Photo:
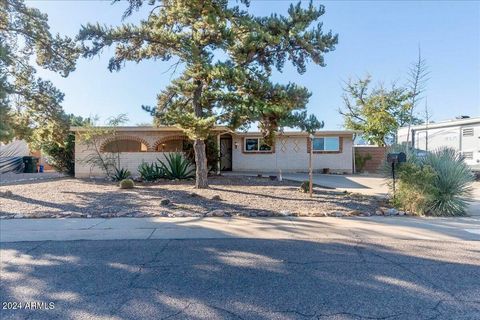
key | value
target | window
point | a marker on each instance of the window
(123, 145)
(177, 145)
(326, 144)
(256, 145)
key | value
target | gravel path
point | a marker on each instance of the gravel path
(248, 196)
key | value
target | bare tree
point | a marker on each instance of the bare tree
(417, 84)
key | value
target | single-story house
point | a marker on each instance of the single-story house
(239, 151)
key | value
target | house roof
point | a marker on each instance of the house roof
(224, 129)
(446, 123)
(143, 128)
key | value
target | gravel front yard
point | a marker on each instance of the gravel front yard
(227, 196)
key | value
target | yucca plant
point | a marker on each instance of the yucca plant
(451, 184)
(150, 172)
(121, 174)
(177, 166)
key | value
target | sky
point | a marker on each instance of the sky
(379, 38)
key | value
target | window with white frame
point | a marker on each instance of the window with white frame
(256, 145)
(326, 144)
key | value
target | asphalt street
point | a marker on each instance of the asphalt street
(241, 279)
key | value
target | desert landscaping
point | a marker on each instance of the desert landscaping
(227, 196)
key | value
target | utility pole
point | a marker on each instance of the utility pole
(427, 120)
(310, 172)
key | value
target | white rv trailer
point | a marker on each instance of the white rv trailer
(462, 135)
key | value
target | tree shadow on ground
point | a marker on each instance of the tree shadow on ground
(240, 279)
(146, 198)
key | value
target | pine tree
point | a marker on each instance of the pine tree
(226, 55)
(30, 107)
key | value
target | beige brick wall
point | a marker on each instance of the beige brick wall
(291, 155)
(128, 160)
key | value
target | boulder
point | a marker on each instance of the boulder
(216, 213)
(391, 212)
(285, 213)
(216, 197)
(165, 202)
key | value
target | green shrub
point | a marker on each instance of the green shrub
(452, 182)
(150, 172)
(177, 167)
(127, 184)
(121, 174)
(435, 184)
(415, 188)
(305, 187)
(360, 161)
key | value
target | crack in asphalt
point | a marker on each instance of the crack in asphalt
(136, 276)
(178, 312)
(225, 310)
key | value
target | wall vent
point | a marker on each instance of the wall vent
(467, 132)
(467, 155)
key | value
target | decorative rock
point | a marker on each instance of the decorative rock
(121, 214)
(105, 215)
(182, 214)
(41, 215)
(379, 212)
(401, 213)
(285, 213)
(264, 214)
(76, 214)
(18, 216)
(337, 214)
(216, 197)
(165, 202)
(355, 213)
(8, 193)
(89, 215)
(391, 212)
(141, 214)
(216, 213)
(252, 214)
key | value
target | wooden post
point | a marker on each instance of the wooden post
(219, 155)
(310, 172)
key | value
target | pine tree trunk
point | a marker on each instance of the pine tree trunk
(201, 181)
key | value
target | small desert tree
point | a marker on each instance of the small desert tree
(226, 56)
(93, 136)
(377, 112)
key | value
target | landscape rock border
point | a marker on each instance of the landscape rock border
(214, 213)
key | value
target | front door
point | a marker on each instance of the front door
(226, 153)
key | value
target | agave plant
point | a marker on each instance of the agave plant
(121, 174)
(177, 166)
(451, 184)
(150, 172)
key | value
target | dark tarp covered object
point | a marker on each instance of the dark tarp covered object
(11, 156)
